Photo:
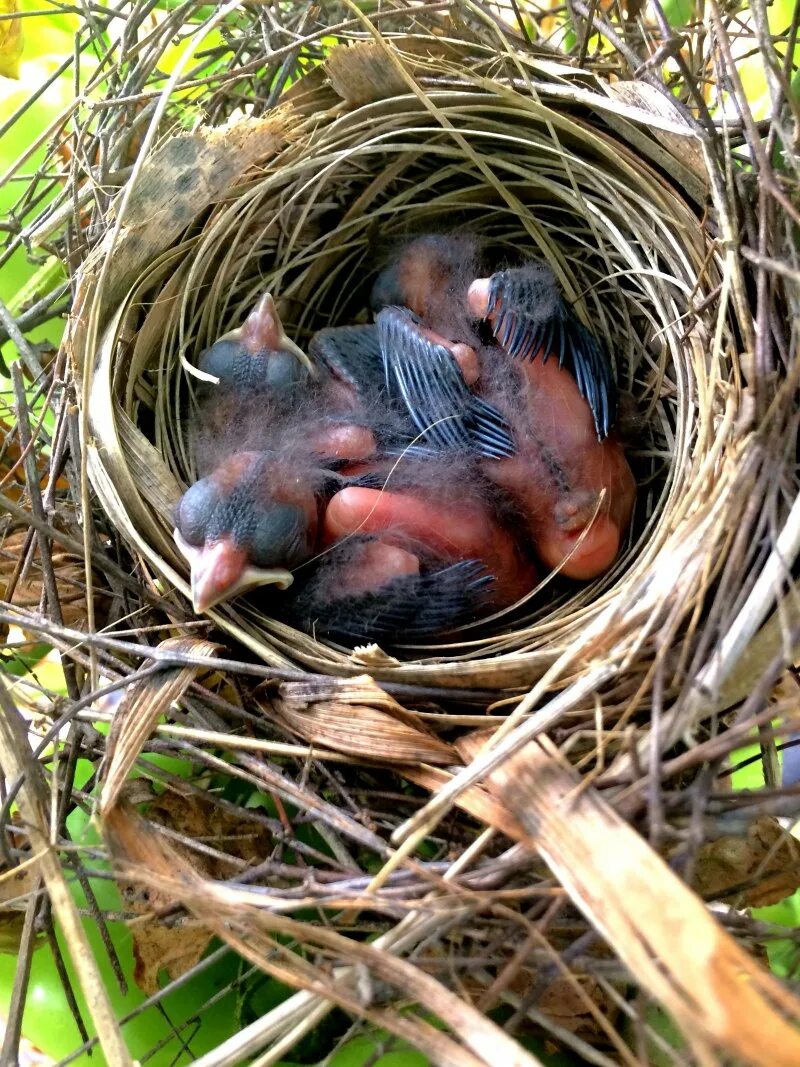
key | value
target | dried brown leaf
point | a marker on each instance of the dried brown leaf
(177, 182)
(361, 730)
(359, 690)
(372, 656)
(15, 886)
(176, 944)
(568, 1001)
(199, 819)
(760, 868)
(140, 710)
(362, 73)
(651, 101)
(174, 947)
(70, 578)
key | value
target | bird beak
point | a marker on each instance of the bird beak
(220, 571)
(479, 297)
(263, 329)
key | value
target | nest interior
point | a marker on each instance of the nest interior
(359, 160)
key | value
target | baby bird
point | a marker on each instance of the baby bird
(282, 452)
(269, 440)
(417, 556)
(246, 524)
(257, 356)
(539, 370)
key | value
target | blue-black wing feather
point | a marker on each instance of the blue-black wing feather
(530, 319)
(427, 379)
(404, 608)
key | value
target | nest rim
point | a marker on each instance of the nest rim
(295, 168)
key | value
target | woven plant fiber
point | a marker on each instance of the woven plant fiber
(515, 829)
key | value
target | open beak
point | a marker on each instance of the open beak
(220, 571)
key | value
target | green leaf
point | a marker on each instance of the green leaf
(11, 40)
(783, 953)
(678, 12)
(19, 662)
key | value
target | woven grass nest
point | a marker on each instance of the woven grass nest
(360, 153)
(566, 760)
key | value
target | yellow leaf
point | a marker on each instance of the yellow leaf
(11, 43)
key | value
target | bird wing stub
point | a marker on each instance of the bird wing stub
(414, 606)
(352, 353)
(530, 318)
(431, 385)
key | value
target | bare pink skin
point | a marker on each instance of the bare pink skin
(467, 359)
(563, 424)
(554, 416)
(355, 443)
(478, 298)
(375, 565)
(465, 356)
(567, 485)
(595, 554)
(457, 533)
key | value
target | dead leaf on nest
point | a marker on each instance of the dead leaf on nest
(176, 943)
(12, 468)
(195, 817)
(174, 946)
(144, 703)
(29, 590)
(760, 868)
(356, 716)
(363, 72)
(16, 886)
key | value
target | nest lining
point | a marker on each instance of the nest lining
(533, 176)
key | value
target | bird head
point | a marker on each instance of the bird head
(245, 525)
(262, 331)
(258, 354)
(430, 275)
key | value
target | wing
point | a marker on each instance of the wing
(431, 386)
(530, 318)
(352, 353)
(410, 607)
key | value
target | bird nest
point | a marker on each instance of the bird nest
(482, 805)
(386, 140)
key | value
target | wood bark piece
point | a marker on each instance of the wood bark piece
(720, 997)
